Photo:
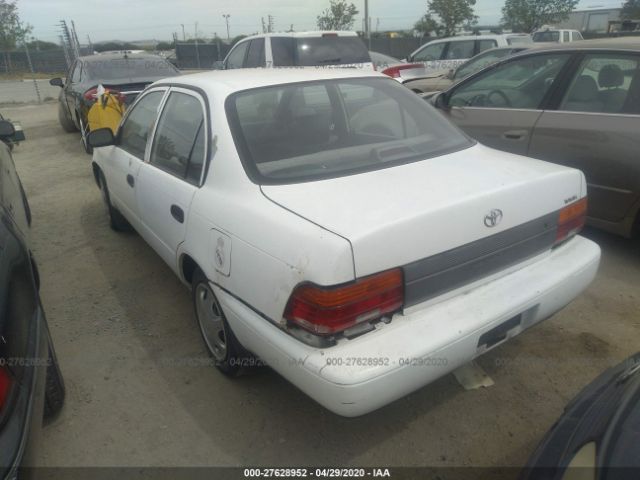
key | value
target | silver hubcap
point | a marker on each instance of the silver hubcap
(211, 322)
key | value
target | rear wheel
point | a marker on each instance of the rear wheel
(116, 219)
(223, 346)
(65, 122)
(84, 132)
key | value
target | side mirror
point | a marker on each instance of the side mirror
(441, 101)
(102, 137)
(56, 82)
(218, 65)
(7, 130)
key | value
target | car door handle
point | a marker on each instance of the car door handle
(130, 180)
(515, 134)
(177, 213)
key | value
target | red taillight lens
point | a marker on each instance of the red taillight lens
(324, 311)
(571, 220)
(394, 72)
(5, 385)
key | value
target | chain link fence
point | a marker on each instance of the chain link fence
(25, 74)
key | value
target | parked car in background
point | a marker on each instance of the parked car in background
(31, 385)
(395, 68)
(299, 49)
(438, 81)
(597, 436)
(339, 229)
(576, 104)
(448, 53)
(126, 74)
(556, 35)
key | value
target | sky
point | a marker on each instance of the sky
(158, 19)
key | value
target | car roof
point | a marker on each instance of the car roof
(486, 36)
(317, 33)
(219, 83)
(119, 56)
(618, 43)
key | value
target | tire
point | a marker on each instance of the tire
(230, 357)
(117, 221)
(84, 132)
(65, 122)
(54, 392)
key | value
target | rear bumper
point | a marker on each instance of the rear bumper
(360, 375)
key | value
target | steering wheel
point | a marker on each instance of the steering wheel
(500, 94)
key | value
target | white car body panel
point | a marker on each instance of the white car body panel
(255, 244)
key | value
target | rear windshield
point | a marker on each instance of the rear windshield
(313, 130)
(131, 68)
(546, 36)
(314, 51)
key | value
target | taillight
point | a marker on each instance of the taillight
(571, 219)
(5, 386)
(327, 310)
(394, 72)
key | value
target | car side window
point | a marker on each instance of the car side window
(283, 51)
(430, 52)
(178, 144)
(237, 55)
(521, 83)
(134, 131)
(255, 54)
(486, 45)
(461, 49)
(605, 83)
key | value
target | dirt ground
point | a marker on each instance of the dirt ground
(139, 394)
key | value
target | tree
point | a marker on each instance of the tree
(339, 16)
(631, 10)
(41, 45)
(12, 31)
(451, 14)
(529, 15)
(427, 25)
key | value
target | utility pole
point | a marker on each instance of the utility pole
(184, 35)
(270, 24)
(226, 19)
(367, 25)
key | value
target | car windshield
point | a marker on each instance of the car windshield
(546, 36)
(479, 62)
(128, 68)
(314, 130)
(313, 51)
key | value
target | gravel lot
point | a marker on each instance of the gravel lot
(138, 394)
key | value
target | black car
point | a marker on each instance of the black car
(31, 385)
(598, 436)
(126, 74)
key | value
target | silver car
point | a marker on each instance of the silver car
(577, 104)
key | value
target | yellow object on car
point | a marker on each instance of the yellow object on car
(106, 112)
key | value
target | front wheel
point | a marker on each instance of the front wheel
(220, 341)
(116, 219)
(65, 122)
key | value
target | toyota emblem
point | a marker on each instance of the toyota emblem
(493, 218)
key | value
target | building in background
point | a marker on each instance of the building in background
(593, 20)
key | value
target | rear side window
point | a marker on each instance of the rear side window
(486, 45)
(430, 53)
(237, 55)
(135, 129)
(334, 128)
(577, 36)
(461, 50)
(255, 55)
(546, 36)
(283, 51)
(178, 142)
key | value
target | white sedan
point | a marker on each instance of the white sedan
(339, 229)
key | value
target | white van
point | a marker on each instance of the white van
(448, 53)
(299, 49)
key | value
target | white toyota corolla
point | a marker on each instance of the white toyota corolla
(338, 228)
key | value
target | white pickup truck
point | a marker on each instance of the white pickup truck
(338, 228)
